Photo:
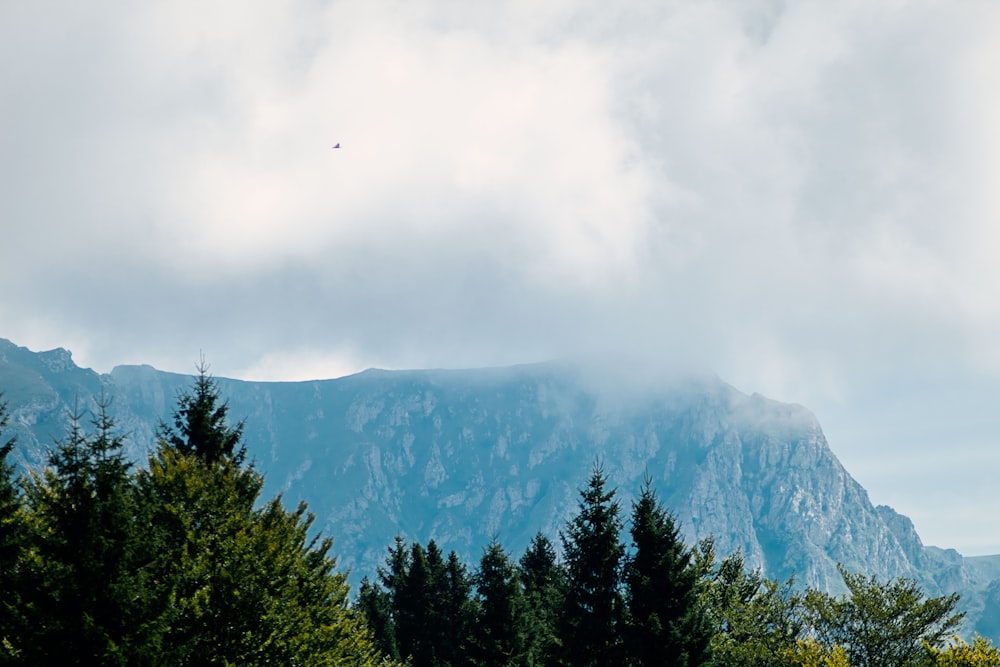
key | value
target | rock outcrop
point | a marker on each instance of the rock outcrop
(463, 456)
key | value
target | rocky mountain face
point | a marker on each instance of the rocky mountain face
(463, 456)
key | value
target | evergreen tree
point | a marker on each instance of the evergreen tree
(12, 542)
(416, 609)
(458, 611)
(376, 605)
(499, 632)
(200, 425)
(667, 622)
(593, 614)
(383, 601)
(247, 585)
(544, 582)
(425, 611)
(300, 600)
(94, 600)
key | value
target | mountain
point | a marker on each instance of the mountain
(462, 456)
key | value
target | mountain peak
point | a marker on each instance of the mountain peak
(462, 456)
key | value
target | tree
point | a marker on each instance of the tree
(203, 516)
(430, 607)
(882, 624)
(289, 580)
(380, 601)
(756, 621)
(593, 614)
(980, 653)
(376, 605)
(810, 653)
(667, 622)
(458, 610)
(417, 609)
(94, 600)
(544, 582)
(12, 541)
(247, 584)
(499, 633)
(200, 424)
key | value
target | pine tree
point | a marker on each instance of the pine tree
(248, 585)
(200, 424)
(667, 623)
(593, 615)
(458, 610)
(544, 582)
(290, 582)
(499, 633)
(416, 609)
(376, 605)
(12, 543)
(203, 500)
(423, 609)
(94, 601)
(381, 601)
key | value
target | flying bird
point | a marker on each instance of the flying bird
(337, 146)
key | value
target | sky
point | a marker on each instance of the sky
(801, 196)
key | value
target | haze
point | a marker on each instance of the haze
(800, 196)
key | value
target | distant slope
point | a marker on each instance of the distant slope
(462, 456)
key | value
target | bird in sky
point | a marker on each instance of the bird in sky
(337, 146)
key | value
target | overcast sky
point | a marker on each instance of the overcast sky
(802, 196)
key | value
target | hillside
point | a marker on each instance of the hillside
(461, 456)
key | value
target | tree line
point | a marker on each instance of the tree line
(652, 601)
(181, 562)
(175, 563)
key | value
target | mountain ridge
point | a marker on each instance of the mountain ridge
(462, 456)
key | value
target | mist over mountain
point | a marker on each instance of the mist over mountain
(465, 455)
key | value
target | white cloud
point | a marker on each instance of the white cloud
(304, 364)
(800, 195)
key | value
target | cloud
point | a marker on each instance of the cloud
(800, 196)
(778, 170)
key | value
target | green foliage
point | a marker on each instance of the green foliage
(810, 653)
(459, 611)
(200, 426)
(499, 634)
(94, 600)
(5, 446)
(247, 584)
(544, 583)
(418, 609)
(376, 606)
(980, 653)
(593, 615)
(423, 610)
(756, 620)
(882, 624)
(668, 624)
(182, 563)
(13, 540)
(667, 602)
(179, 564)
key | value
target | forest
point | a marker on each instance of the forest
(181, 562)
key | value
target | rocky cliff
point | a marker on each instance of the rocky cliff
(462, 456)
